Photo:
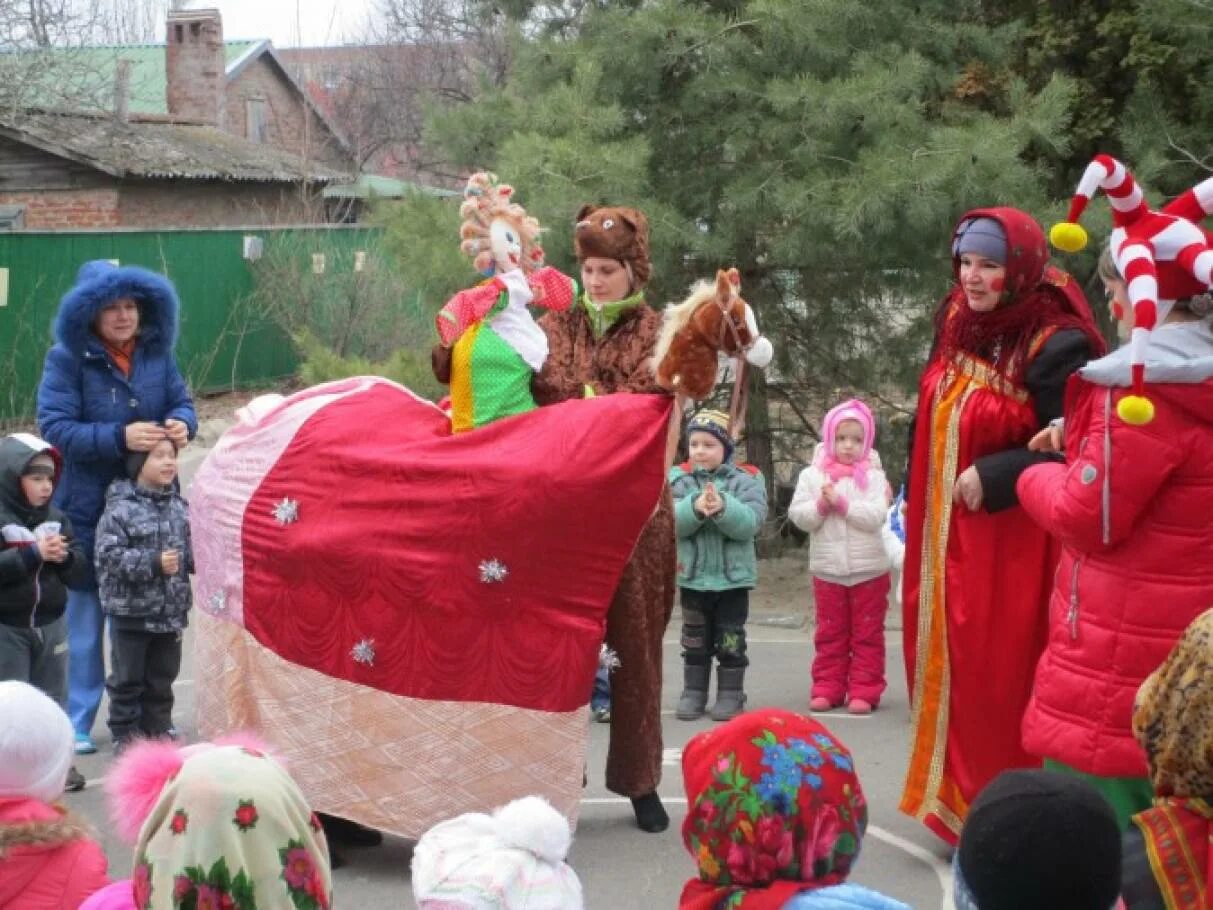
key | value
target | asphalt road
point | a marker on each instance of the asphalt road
(620, 866)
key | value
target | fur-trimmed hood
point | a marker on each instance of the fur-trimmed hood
(46, 828)
(98, 284)
(49, 858)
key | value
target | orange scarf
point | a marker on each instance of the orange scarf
(121, 354)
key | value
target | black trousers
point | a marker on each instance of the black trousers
(713, 625)
(143, 667)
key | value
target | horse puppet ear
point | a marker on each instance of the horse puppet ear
(735, 279)
(724, 287)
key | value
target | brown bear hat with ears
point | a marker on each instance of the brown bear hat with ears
(614, 233)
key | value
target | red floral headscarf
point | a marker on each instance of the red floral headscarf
(773, 808)
(1036, 296)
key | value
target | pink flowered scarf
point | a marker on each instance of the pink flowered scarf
(832, 467)
(231, 830)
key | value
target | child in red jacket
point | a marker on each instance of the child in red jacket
(1131, 508)
(48, 858)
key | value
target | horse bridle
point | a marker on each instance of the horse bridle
(740, 398)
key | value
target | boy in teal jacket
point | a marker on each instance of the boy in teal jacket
(718, 509)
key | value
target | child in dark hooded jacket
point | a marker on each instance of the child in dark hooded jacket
(144, 560)
(38, 558)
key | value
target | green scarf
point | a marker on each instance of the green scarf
(605, 316)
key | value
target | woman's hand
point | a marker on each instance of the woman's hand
(142, 436)
(178, 432)
(1047, 440)
(968, 489)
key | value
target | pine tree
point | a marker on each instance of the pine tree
(824, 147)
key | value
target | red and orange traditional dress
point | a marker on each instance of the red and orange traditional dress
(976, 584)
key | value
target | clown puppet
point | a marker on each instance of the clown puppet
(490, 345)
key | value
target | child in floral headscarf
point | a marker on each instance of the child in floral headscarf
(1167, 854)
(775, 817)
(216, 825)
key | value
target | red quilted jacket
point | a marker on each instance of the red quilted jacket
(1133, 509)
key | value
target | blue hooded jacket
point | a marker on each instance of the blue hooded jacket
(84, 401)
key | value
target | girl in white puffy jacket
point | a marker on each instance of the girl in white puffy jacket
(841, 499)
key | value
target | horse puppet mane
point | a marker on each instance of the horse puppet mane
(677, 316)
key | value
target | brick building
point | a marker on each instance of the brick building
(196, 132)
(375, 95)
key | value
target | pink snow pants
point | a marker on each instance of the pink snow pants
(849, 642)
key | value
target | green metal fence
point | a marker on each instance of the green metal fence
(221, 341)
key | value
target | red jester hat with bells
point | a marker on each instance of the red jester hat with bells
(1164, 256)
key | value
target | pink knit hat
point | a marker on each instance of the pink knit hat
(850, 410)
(833, 468)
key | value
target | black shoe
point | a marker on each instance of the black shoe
(650, 814)
(75, 780)
(347, 833)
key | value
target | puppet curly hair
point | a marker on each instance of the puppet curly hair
(485, 200)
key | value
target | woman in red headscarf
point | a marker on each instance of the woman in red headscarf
(978, 569)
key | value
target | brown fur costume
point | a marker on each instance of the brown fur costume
(614, 233)
(620, 361)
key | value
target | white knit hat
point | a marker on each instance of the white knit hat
(35, 743)
(510, 860)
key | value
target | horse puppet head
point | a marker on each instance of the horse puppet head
(713, 319)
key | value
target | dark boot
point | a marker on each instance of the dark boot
(730, 697)
(75, 780)
(650, 814)
(347, 833)
(694, 699)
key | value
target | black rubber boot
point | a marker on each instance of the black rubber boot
(730, 696)
(347, 833)
(694, 699)
(75, 780)
(650, 813)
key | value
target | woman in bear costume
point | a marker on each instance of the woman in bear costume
(602, 345)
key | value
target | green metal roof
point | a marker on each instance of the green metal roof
(83, 78)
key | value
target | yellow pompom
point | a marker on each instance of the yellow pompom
(1135, 409)
(1068, 236)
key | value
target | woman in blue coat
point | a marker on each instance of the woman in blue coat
(110, 386)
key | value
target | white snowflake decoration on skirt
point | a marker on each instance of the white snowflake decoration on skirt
(286, 512)
(364, 652)
(218, 602)
(493, 571)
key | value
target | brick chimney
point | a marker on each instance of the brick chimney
(196, 65)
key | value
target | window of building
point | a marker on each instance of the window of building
(12, 217)
(257, 125)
